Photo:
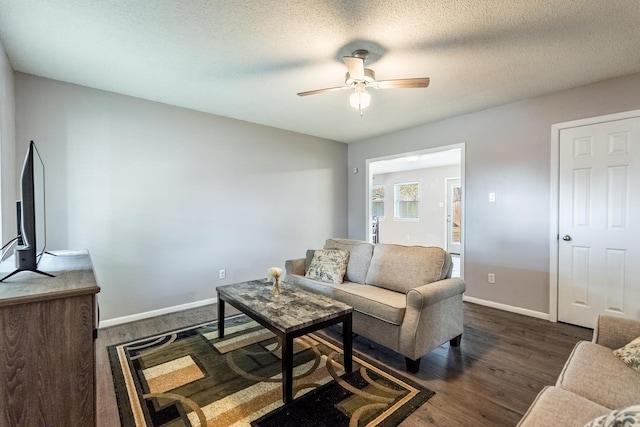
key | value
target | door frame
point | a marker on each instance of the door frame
(554, 203)
(369, 184)
(447, 207)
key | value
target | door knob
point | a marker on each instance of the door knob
(566, 238)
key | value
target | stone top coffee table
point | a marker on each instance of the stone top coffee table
(293, 313)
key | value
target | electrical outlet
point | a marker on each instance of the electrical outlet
(223, 274)
(491, 278)
(492, 197)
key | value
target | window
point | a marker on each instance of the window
(377, 201)
(406, 201)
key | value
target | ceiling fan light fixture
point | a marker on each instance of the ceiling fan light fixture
(360, 99)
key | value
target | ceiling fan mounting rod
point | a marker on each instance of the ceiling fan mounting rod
(360, 53)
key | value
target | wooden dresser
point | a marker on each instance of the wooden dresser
(47, 349)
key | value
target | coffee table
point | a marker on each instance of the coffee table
(293, 313)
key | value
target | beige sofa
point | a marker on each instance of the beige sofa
(403, 296)
(593, 381)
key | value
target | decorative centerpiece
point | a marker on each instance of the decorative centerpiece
(274, 273)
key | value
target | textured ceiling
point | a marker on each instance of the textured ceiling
(247, 59)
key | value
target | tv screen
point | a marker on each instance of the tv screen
(31, 214)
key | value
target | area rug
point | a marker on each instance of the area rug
(190, 377)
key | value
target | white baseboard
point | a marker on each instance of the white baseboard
(153, 313)
(505, 307)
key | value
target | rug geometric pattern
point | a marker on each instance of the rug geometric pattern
(190, 377)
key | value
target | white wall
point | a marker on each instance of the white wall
(507, 152)
(7, 150)
(430, 229)
(164, 197)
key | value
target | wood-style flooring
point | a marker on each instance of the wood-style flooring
(504, 360)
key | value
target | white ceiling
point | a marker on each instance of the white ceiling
(247, 59)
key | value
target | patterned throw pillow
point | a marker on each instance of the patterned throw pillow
(328, 265)
(630, 354)
(625, 417)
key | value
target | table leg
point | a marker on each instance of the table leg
(347, 344)
(287, 369)
(220, 317)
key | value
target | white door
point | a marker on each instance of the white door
(454, 215)
(599, 222)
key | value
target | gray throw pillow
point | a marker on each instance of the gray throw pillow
(360, 254)
(328, 265)
(630, 354)
(625, 417)
(307, 261)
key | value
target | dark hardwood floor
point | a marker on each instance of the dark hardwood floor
(504, 360)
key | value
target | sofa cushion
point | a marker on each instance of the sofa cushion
(360, 253)
(401, 268)
(554, 407)
(630, 354)
(376, 302)
(594, 372)
(328, 265)
(322, 288)
(624, 417)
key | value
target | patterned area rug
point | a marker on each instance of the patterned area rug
(190, 377)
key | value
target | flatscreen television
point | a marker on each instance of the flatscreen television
(31, 240)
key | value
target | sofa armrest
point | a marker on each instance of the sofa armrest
(614, 332)
(295, 266)
(431, 293)
(434, 315)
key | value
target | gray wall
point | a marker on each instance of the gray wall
(164, 197)
(508, 153)
(7, 150)
(430, 229)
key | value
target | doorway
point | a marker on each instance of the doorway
(436, 180)
(594, 219)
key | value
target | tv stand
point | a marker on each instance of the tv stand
(47, 348)
(27, 260)
(25, 269)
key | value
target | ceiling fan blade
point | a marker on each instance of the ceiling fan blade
(402, 83)
(355, 66)
(329, 89)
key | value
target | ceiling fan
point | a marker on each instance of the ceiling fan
(360, 78)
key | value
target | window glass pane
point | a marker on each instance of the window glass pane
(377, 201)
(377, 209)
(406, 200)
